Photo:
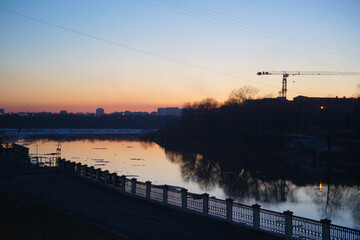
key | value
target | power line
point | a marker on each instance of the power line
(137, 49)
(232, 22)
(235, 20)
(249, 22)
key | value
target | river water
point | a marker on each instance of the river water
(248, 181)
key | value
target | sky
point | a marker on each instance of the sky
(139, 55)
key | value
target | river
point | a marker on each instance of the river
(274, 185)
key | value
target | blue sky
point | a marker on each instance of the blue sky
(43, 67)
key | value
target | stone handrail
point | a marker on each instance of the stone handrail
(280, 224)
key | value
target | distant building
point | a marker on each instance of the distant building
(63, 112)
(154, 113)
(310, 112)
(169, 111)
(2, 111)
(44, 113)
(140, 113)
(100, 112)
(79, 114)
(115, 114)
(348, 107)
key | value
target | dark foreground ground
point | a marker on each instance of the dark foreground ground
(49, 204)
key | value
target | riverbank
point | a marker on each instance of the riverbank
(81, 207)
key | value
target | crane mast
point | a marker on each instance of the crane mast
(286, 74)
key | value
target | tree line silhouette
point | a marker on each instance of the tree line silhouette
(265, 125)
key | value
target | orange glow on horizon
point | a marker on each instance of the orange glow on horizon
(87, 108)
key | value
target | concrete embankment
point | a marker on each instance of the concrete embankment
(45, 203)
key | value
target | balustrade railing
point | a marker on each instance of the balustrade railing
(217, 208)
(280, 224)
(242, 214)
(304, 228)
(128, 185)
(272, 221)
(156, 193)
(118, 182)
(140, 189)
(174, 197)
(338, 232)
(195, 202)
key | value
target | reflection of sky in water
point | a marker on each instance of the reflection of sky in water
(148, 161)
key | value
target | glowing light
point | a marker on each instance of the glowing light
(322, 107)
(320, 186)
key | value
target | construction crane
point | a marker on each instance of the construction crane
(286, 74)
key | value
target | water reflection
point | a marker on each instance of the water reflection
(238, 183)
(333, 189)
(277, 183)
(195, 167)
(332, 200)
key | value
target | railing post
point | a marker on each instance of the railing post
(106, 177)
(325, 229)
(148, 189)
(114, 180)
(133, 186)
(184, 198)
(205, 198)
(256, 216)
(229, 209)
(85, 168)
(73, 168)
(27, 161)
(91, 173)
(98, 173)
(78, 169)
(288, 224)
(123, 180)
(67, 165)
(62, 164)
(165, 194)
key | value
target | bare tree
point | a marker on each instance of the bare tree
(206, 105)
(357, 94)
(240, 95)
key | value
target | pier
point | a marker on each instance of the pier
(133, 209)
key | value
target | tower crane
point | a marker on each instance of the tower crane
(286, 74)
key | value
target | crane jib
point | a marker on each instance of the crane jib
(286, 74)
(307, 73)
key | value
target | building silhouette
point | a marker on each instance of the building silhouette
(169, 111)
(100, 112)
